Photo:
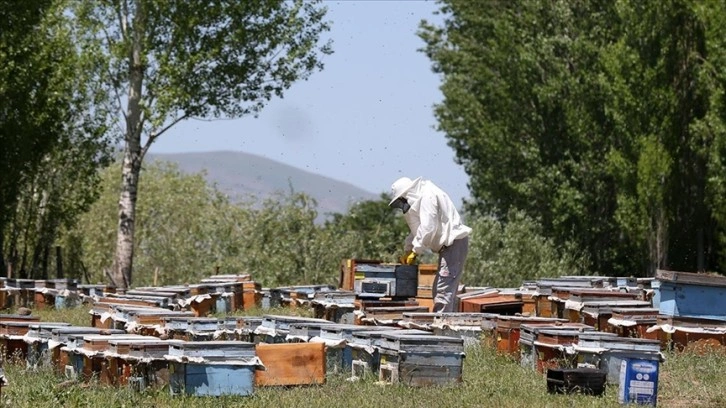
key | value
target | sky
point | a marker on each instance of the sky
(366, 118)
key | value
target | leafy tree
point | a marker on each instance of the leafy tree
(52, 141)
(507, 254)
(600, 119)
(187, 230)
(169, 61)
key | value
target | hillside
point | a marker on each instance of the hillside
(241, 175)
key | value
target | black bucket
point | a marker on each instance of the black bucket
(588, 381)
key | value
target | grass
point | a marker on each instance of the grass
(490, 380)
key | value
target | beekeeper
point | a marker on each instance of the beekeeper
(435, 225)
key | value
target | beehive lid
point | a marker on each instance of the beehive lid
(212, 350)
(61, 334)
(421, 343)
(590, 340)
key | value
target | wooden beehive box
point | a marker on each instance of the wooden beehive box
(573, 310)
(291, 364)
(60, 338)
(607, 351)
(275, 328)
(212, 368)
(15, 328)
(336, 306)
(695, 295)
(128, 358)
(426, 276)
(191, 328)
(339, 357)
(347, 272)
(90, 349)
(36, 340)
(154, 317)
(683, 332)
(304, 331)
(421, 360)
(246, 327)
(633, 322)
(364, 344)
(508, 330)
(251, 295)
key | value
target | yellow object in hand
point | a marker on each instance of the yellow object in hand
(410, 258)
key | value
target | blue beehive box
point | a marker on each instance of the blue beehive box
(638, 382)
(212, 368)
(688, 294)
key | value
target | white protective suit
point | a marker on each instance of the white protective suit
(435, 225)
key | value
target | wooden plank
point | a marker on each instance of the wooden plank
(291, 364)
(690, 278)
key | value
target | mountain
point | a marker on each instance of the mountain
(241, 175)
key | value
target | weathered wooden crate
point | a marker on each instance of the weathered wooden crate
(504, 304)
(574, 305)
(348, 272)
(335, 306)
(364, 349)
(113, 315)
(14, 297)
(94, 290)
(508, 330)
(140, 360)
(12, 341)
(151, 321)
(252, 296)
(697, 295)
(275, 328)
(335, 337)
(541, 346)
(680, 333)
(467, 326)
(488, 331)
(246, 326)
(421, 360)
(291, 364)
(212, 368)
(386, 280)
(426, 276)
(632, 322)
(60, 337)
(304, 331)
(86, 354)
(608, 352)
(191, 328)
(229, 296)
(36, 339)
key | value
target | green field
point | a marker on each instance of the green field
(490, 380)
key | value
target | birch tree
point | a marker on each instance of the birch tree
(168, 61)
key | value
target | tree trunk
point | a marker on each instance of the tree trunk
(123, 260)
